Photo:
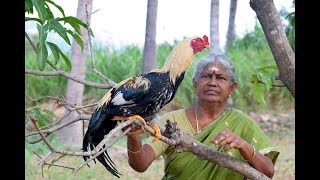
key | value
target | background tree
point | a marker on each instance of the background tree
(214, 26)
(277, 40)
(149, 51)
(231, 24)
(73, 134)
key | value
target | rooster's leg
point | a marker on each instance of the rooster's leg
(134, 133)
(157, 132)
(118, 118)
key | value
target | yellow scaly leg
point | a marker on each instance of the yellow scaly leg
(118, 118)
(157, 132)
(134, 133)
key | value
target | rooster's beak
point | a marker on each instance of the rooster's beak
(207, 46)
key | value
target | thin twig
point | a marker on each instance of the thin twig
(93, 68)
(45, 157)
(104, 149)
(30, 41)
(55, 128)
(67, 167)
(69, 76)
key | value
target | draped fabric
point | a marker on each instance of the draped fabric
(186, 165)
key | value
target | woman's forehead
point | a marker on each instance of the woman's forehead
(214, 67)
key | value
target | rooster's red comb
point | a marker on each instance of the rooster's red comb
(206, 39)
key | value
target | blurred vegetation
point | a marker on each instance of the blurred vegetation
(248, 53)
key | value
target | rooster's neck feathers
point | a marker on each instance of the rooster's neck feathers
(179, 60)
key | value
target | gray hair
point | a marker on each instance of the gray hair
(215, 58)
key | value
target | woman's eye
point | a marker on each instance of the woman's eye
(220, 78)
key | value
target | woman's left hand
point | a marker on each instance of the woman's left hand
(229, 138)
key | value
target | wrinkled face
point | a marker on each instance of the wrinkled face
(214, 84)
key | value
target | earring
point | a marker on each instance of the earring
(229, 95)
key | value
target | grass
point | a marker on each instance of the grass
(283, 139)
(96, 171)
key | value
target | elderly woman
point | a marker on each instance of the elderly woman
(211, 122)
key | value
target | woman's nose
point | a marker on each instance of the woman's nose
(212, 81)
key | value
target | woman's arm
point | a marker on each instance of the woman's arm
(140, 156)
(253, 157)
(257, 160)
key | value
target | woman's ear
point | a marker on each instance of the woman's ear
(234, 87)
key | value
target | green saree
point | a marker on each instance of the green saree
(185, 165)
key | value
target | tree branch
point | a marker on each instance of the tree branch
(59, 126)
(69, 76)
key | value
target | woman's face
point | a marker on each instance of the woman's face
(214, 84)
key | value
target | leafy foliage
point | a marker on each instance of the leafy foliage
(256, 71)
(290, 29)
(39, 86)
(44, 117)
(46, 22)
(263, 79)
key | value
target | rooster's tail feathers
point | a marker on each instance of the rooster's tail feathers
(100, 124)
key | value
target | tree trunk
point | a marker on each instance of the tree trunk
(73, 134)
(231, 26)
(214, 26)
(277, 40)
(231, 35)
(149, 51)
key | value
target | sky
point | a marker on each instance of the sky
(122, 22)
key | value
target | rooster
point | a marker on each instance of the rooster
(141, 97)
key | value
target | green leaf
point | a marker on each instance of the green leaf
(51, 116)
(49, 13)
(57, 6)
(57, 27)
(267, 75)
(42, 52)
(73, 21)
(258, 90)
(272, 67)
(267, 81)
(74, 24)
(77, 38)
(66, 60)
(55, 51)
(42, 56)
(28, 6)
(41, 9)
(32, 19)
(41, 120)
